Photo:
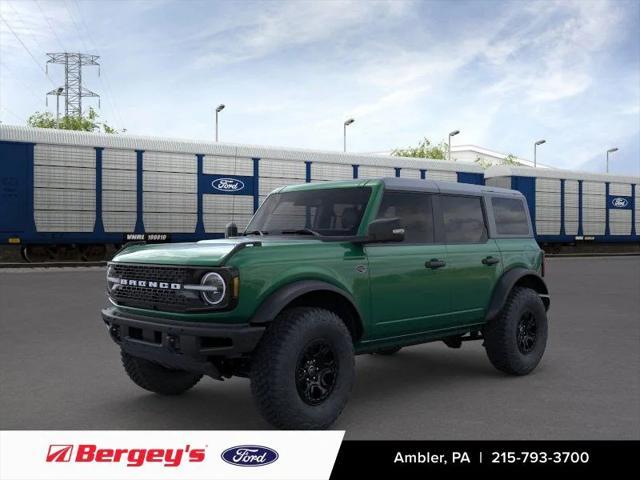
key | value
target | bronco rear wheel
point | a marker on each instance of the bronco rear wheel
(156, 378)
(303, 369)
(516, 340)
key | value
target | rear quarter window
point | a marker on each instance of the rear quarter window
(510, 216)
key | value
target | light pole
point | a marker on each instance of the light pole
(58, 93)
(344, 136)
(451, 134)
(218, 110)
(611, 150)
(535, 146)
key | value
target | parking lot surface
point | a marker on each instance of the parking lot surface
(60, 370)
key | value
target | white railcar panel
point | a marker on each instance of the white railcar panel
(410, 173)
(269, 168)
(593, 188)
(571, 199)
(216, 223)
(170, 222)
(594, 201)
(267, 185)
(366, 171)
(593, 228)
(442, 175)
(620, 222)
(119, 159)
(169, 182)
(119, 221)
(119, 180)
(594, 215)
(571, 228)
(119, 201)
(571, 186)
(64, 199)
(331, 171)
(169, 162)
(64, 156)
(571, 214)
(620, 189)
(169, 202)
(548, 227)
(637, 208)
(550, 199)
(544, 212)
(64, 220)
(547, 185)
(214, 164)
(64, 177)
(235, 204)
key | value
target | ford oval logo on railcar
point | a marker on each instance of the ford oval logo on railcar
(249, 456)
(619, 202)
(228, 184)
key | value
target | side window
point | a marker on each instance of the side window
(414, 211)
(463, 219)
(511, 218)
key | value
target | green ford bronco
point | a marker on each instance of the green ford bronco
(326, 271)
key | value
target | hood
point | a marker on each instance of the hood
(203, 253)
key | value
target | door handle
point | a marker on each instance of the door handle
(490, 260)
(434, 263)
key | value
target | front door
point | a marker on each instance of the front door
(408, 294)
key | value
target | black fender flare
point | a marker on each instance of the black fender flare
(278, 300)
(507, 281)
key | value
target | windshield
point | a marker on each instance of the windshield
(326, 212)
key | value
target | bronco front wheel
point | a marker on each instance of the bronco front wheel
(303, 369)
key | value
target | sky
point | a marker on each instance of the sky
(505, 73)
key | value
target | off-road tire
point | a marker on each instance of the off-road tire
(501, 338)
(156, 378)
(277, 360)
(387, 351)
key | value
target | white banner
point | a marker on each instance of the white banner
(159, 455)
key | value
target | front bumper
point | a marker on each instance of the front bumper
(180, 345)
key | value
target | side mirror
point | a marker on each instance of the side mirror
(231, 230)
(385, 230)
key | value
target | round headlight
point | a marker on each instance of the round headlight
(214, 288)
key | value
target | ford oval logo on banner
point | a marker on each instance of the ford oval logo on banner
(249, 456)
(619, 202)
(228, 184)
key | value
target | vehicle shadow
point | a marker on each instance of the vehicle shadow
(229, 405)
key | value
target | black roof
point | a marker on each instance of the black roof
(438, 186)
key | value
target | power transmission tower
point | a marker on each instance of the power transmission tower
(73, 90)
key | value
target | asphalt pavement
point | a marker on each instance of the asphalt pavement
(60, 370)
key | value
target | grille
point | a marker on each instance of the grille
(156, 298)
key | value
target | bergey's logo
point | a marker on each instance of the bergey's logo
(249, 456)
(59, 453)
(619, 202)
(227, 184)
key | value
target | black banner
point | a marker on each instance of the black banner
(414, 459)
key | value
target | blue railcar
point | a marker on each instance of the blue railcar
(569, 206)
(66, 189)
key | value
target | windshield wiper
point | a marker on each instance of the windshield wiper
(302, 231)
(256, 232)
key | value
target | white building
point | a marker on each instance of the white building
(470, 153)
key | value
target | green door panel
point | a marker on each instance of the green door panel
(406, 296)
(470, 280)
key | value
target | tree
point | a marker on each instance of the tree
(88, 123)
(510, 159)
(424, 150)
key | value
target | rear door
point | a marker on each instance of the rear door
(407, 295)
(474, 263)
(13, 186)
